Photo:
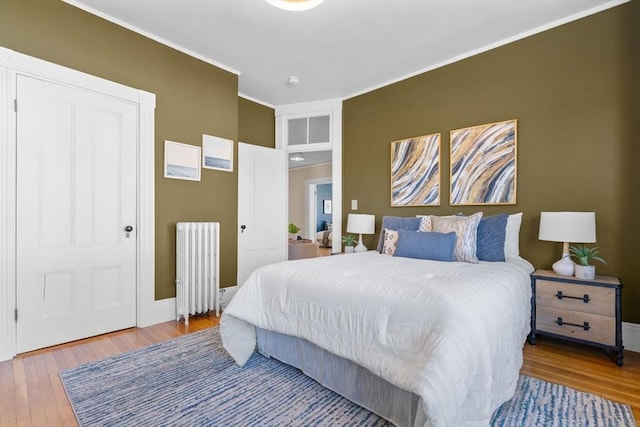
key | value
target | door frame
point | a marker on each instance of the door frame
(333, 107)
(12, 64)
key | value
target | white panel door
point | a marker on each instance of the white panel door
(76, 196)
(262, 208)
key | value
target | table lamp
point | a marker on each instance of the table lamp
(566, 227)
(361, 224)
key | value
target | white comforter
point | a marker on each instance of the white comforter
(451, 333)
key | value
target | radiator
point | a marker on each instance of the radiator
(197, 268)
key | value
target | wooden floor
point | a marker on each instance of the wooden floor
(31, 393)
(324, 251)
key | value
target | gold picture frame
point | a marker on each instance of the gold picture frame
(415, 171)
(483, 164)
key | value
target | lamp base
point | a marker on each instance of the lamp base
(360, 247)
(564, 266)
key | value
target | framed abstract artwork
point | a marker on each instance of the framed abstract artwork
(181, 161)
(483, 164)
(415, 171)
(217, 153)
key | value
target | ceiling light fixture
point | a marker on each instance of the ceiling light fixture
(293, 81)
(295, 5)
(296, 157)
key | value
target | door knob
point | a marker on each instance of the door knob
(242, 228)
(128, 230)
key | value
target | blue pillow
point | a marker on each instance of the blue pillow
(397, 223)
(492, 231)
(426, 245)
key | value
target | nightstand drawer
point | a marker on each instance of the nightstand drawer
(572, 296)
(600, 329)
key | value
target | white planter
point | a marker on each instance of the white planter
(585, 271)
(348, 249)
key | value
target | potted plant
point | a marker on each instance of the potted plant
(349, 243)
(584, 255)
(293, 231)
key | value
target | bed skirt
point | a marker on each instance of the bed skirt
(346, 378)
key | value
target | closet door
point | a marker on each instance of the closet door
(76, 213)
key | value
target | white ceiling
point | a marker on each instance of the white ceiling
(342, 48)
(310, 158)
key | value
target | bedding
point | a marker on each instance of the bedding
(397, 223)
(492, 231)
(390, 242)
(426, 245)
(450, 332)
(512, 238)
(466, 229)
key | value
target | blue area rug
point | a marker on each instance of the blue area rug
(191, 381)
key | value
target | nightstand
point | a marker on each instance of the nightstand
(577, 310)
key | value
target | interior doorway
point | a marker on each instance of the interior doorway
(307, 184)
(319, 212)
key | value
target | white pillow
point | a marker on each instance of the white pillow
(512, 236)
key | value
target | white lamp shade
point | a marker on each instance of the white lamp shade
(575, 227)
(361, 224)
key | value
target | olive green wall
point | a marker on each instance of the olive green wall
(192, 98)
(574, 91)
(256, 124)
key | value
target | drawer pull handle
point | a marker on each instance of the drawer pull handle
(585, 325)
(585, 298)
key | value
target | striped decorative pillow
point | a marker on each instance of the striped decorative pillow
(466, 229)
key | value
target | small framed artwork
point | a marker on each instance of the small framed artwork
(326, 206)
(217, 153)
(483, 164)
(415, 171)
(181, 161)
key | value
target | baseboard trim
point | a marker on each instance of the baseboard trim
(7, 345)
(165, 309)
(160, 311)
(631, 336)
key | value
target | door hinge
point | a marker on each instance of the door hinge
(16, 314)
(15, 105)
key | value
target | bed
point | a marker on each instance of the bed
(420, 342)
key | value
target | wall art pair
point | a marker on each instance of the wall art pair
(182, 161)
(482, 163)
